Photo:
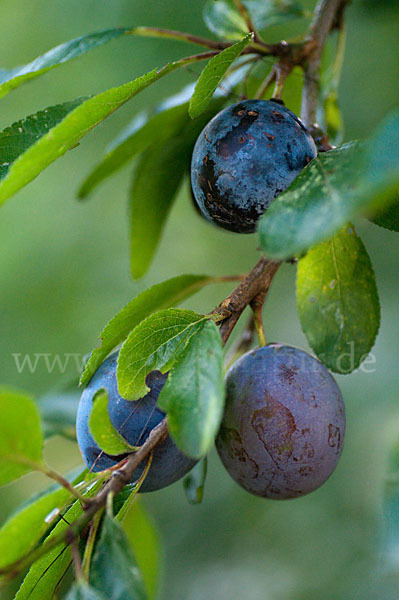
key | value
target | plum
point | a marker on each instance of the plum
(134, 421)
(284, 423)
(245, 156)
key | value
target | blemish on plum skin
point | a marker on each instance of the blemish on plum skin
(288, 373)
(277, 115)
(305, 471)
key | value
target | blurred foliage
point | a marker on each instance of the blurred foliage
(64, 271)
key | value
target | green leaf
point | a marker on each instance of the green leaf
(389, 217)
(13, 78)
(21, 439)
(194, 482)
(151, 195)
(145, 544)
(154, 344)
(337, 301)
(155, 185)
(46, 573)
(266, 13)
(114, 569)
(102, 430)
(315, 204)
(335, 187)
(23, 530)
(161, 127)
(222, 18)
(26, 526)
(74, 126)
(193, 395)
(83, 591)
(160, 296)
(212, 74)
(17, 138)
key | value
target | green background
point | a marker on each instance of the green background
(64, 271)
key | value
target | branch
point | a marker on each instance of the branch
(122, 476)
(257, 47)
(119, 479)
(256, 282)
(327, 16)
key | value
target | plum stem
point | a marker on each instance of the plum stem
(90, 544)
(257, 309)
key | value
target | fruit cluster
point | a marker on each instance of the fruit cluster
(281, 435)
(284, 420)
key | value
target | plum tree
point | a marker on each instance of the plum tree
(134, 421)
(245, 156)
(284, 422)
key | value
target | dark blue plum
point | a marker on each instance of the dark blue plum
(247, 154)
(284, 422)
(134, 421)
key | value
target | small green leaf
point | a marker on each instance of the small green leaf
(13, 78)
(389, 217)
(114, 569)
(17, 138)
(24, 529)
(193, 395)
(83, 591)
(66, 134)
(102, 430)
(194, 482)
(212, 74)
(145, 544)
(152, 192)
(158, 129)
(155, 185)
(222, 18)
(21, 439)
(154, 344)
(266, 13)
(337, 301)
(160, 296)
(315, 204)
(335, 187)
(46, 573)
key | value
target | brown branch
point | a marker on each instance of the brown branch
(122, 476)
(119, 479)
(257, 281)
(172, 34)
(257, 47)
(328, 15)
